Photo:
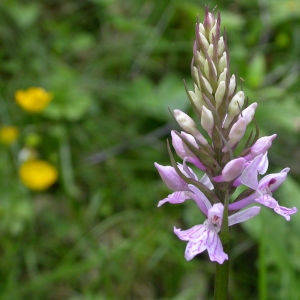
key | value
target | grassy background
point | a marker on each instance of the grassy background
(114, 68)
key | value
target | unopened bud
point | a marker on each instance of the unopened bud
(197, 91)
(196, 76)
(212, 33)
(207, 84)
(184, 121)
(222, 62)
(207, 120)
(236, 133)
(221, 46)
(201, 29)
(232, 170)
(170, 177)
(220, 93)
(206, 69)
(178, 145)
(261, 146)
(204, 41)
(209, 21)
(222, 76)
(210, 50)
(248, 113)
(188, 125)
(234, 107)
(232, 85)
(201, 57)
(197, 99)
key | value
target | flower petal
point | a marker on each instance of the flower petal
(178, 145)
(193, 233)
(285, 212)
(197, 237)
(273, 181)
(233, 169)
(201, 196)
(270, 202)
(244, 202)
(175, 198)
(206, 181)
(171, 178)
(261, 146)
(199, 202)
(264, 164)
(243, 215)
(249, 175)
(215, 248)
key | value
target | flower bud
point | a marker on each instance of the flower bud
(206, 69)
(220, 93)
(201, 57)
(204, 41)
(201, 29)
(222, 62)
(207, 120)
(171, 179)
(236, 133)
(209, 21)
(221, 46)
(248, 113)
(232, 85)
(178, 145)
(222, 76)
(191, 140)
(234, 107)
(232, 170)
(197, 91)
(184, 121)
(183, 151)
(212, 32)
(207, 84)
(260, 147)
(195, 75)
(188, 125)
(210, 50)
(197, 99)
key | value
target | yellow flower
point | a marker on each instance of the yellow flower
(38, 174)
(8, 134)
(34, 99)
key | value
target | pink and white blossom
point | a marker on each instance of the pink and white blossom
(205, 236)
(263, 191)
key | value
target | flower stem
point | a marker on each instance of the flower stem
(222, 270)
(221, 277)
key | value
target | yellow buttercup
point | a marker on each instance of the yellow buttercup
(38, 174)
(34, 99)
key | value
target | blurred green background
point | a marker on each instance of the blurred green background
(114, 67)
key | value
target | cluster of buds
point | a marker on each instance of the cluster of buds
(224, 115)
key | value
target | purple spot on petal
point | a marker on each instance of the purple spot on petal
(272, 181)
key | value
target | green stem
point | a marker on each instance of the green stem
(222, 270)
(262, 275)
(221, 278)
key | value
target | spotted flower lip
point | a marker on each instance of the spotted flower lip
(205, 236)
